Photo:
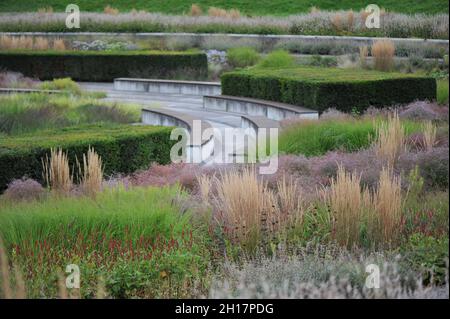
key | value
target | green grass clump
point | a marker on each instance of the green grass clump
(277, 59)
(137, 240)
(263, 7)
(26, 113)
(242, 57)
(317, 138)
(65, 84)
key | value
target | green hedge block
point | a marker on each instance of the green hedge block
(322, 88)
(100, 66)
(123, 149)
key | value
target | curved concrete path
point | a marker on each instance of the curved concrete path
(187, 104)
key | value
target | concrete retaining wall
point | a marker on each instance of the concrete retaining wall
(195, 152)
(167, 86)
(271, 110)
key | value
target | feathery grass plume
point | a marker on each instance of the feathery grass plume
(347, 202)
(350, 20)
(429, 135)
(336, 21)
(383, 51)
(241, 197)
(363, 54)
(234, 14)
(41, 43)
(205, 184)
(387, 203)
(110, 10)
(91, 173)
(217, 12)
(290, 202)
(390, 139)
(6, 42)
(59, 45)
(56, 171)
(195, 10)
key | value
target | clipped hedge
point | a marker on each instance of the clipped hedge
(99, 66)
(321, 88)
(123, 148)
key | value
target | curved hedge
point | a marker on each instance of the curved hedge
(321, 88)
(99, 66)
(123, 148)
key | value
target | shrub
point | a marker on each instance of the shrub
(24, 189)
(65, 84)
(106, 65)
(433, 166)
(242, 57)
(277, 59)
(123, 148)
(319, 88)
(428, 256)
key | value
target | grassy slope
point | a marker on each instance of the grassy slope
(262, 7)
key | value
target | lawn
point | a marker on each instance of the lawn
(264, 7)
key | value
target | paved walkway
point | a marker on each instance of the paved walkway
(187, 104)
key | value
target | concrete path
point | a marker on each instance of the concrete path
(187, 104)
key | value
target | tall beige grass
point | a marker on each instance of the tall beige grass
(110, 10)
(251, 211)
(91, 173)
(387, 208)
(59, 45)
(28, 43)
(41, 44)
(383, 51)
(390, 139)
(56, 171)
(363, 54)
(195, 10)
(429, 135)
(353, 206)
(347, 202)
(222, 13)
(205, 184)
